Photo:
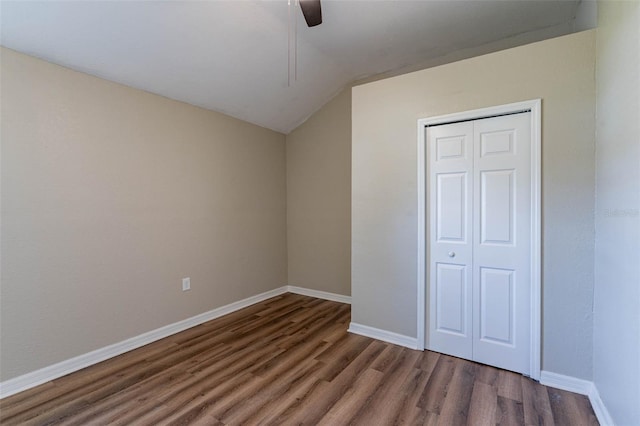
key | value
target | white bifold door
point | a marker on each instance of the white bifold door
(479, 240)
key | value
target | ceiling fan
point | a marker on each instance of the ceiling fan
(312, 12)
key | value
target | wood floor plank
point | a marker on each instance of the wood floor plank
(68, 404)
(387, 358)
(310, 329)
(339, 355)
(209, 390)
(410, 394)
(379, 408)
(216, 375)
(535, 403)
(482, 408)
(427, 361)
(72, 387)
(510, 413)
(435, 392)
(509, 385)
(107, 410)
(342, 411)
(456, 405)
(270, 387)
(333, 332)
(300, 406)
(298, 333)
(204, 406)
(425, 418)
(290, 360)
(322, 397)
(488, 375)
(570, 407)
(279, 395)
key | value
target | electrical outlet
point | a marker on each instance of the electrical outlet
(186, 284)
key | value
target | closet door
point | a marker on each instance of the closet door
(501, 235)
(451, 239)
(479, 248)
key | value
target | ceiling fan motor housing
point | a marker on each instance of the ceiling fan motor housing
(312, 12)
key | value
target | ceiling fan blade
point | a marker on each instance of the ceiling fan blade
(312, 12)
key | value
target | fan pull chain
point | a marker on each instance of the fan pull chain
(295, 46)
(292, 39)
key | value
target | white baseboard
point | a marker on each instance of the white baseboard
(583, 387)
(384, 335)
(604, 418)
(319, 294)
(52, 372)
(46, 374)
(568, 383)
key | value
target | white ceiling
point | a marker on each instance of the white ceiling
(231, 56)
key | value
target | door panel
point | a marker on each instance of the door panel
(451, 299)
(450, 271)
(497, 201)
(448, 148)
(496, 143)
(496, 305)
(501, 249)
(451, 202)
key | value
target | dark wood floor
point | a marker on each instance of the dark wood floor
(289, 360)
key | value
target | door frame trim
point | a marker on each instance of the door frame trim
(535, 107)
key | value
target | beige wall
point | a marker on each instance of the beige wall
(319, 199)
(384, 198)
(616, 322)
(110, 196)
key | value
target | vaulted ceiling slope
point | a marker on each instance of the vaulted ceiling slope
(231, 56)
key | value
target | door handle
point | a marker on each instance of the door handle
(452, 254)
